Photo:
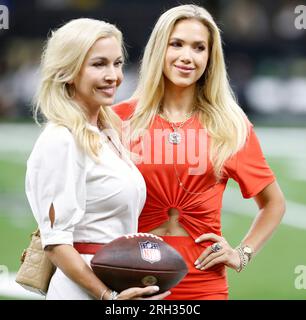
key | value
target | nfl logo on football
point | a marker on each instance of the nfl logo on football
(150, 251)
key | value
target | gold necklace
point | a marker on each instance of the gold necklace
(175, 136)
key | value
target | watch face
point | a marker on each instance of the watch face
(248, 250)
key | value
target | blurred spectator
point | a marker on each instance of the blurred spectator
(296, 95)
(265, 53)
(19, 80)
(241, 69)
(266, 94)
(244, 20)
(69, 4)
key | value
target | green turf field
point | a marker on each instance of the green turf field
(271, 275)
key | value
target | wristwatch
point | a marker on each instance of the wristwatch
(248, 251)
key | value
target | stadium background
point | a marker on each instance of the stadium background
(266, 58)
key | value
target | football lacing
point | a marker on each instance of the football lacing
(140, 234)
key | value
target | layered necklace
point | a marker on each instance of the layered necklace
(175, 137)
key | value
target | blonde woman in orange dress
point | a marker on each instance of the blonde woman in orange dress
(193, 137)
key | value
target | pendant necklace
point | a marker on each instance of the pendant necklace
(180, 183)
(175, 137)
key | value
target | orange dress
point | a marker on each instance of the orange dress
(181, 177)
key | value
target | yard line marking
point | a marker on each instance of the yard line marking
(18, 137)
(283, 142)
(232, 201)
(11, 289)
(275, 141)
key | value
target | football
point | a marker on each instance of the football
(139, 260)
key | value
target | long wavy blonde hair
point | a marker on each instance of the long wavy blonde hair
(218, 110)
(62, 60)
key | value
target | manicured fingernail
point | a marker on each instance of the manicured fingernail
(155, 288)
(196, 262)
(197, 240)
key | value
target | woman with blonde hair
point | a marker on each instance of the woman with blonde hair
(192, 137)
(82, 191)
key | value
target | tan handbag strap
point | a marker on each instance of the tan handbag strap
(36, 233)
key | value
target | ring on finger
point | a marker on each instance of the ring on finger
(216, 247)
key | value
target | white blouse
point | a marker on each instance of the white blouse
(92, 202)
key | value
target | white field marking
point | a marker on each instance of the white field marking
(17, 140)
(296, 169)
(11, 289)
(233, 202)
(288, 144)
(283, 142)
(18, 137)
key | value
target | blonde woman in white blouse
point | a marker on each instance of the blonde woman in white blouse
(82, 190)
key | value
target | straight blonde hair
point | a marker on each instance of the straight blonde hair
(219, 112)
(62, 60)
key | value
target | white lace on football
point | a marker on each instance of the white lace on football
(140, 234)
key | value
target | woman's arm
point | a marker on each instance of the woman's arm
(271, 204)
(66, 258)
(74, 267)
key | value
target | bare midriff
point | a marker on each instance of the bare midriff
(172, 227)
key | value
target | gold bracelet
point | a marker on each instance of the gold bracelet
(103, 293)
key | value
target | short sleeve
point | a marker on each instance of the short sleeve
(249, 168)
(56, 176)
(125, 109)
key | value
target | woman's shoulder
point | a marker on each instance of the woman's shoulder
(55, 138)
(56, 146)
(125, 109)
(55, 132)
